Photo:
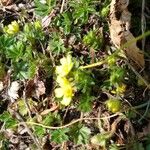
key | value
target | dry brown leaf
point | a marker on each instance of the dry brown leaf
(40, 88)
(6, 2)
(47, 111)
(119, 26)
(29, 88)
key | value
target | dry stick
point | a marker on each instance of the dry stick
(19, 117)
(143, 23)
(26, 104)
(71, 123)
(138, 75)
(62, 6)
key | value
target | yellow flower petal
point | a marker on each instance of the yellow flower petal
(66, 66)
(59, 92)
(62, 81)
(68, 91)
(66, 101)
(63, 61)
(121, 88)
(59, 69)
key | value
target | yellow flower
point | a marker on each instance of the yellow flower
(66, 101)
(65, 67)
(62, 81)
(65, 91)
(120, 89)
(12, 28)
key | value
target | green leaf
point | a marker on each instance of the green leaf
(16, 51)
(5, 116)
(32, 33)
(82, 10)
(113, 147)
(59, 136)
(105, 11)
(21, 70)
(85, 104)
(67, 22)
(117, 75)
(80, 134)
(22, 108)
(93, 39)
(8, 120)
(32, 69)
(5, 43)
(56, 44)
(43, 9)
(100, 139)
(39, 131)
(86, 84)
(51, 119)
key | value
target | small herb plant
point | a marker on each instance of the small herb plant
(62, 82)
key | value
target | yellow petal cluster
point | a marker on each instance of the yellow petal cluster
(65, 89)
(120, 89)
(12, 28)
(65, 67)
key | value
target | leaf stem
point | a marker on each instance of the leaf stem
(94, 64)
(71, 123)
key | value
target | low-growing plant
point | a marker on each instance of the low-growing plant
(57, 92)
(44, 7)
(18, 48)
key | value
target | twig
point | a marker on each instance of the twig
(26, 103)
(138, 75)
(99, 121)
(71, 123)
(62, 6)
(143, 23)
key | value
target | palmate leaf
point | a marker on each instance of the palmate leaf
(9, 121)
(59, 136)
(51, 119)
(83, 85)
(56, 44)
(82, 9)
(80, 134)
(15, 52)
(85, 104)
(43, 9)
(39, 131)
(5, 42)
